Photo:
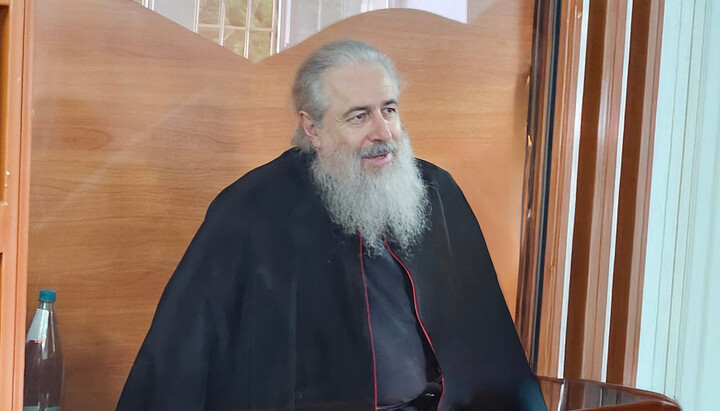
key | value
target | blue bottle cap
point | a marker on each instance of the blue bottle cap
(47, 296)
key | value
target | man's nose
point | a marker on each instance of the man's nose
(381, 129)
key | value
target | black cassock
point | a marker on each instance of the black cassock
(267, 309)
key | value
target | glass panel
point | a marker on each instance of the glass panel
(235, 41)
(262, 14)
(236, 13)
(209, 12)
(211, 32)
(179, 11)
(259, 45)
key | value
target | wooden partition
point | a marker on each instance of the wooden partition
(138, 123)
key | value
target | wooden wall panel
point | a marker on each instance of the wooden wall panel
(139, 123)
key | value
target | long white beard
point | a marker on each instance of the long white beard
(391, 201)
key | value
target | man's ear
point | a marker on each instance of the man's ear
(310, 128)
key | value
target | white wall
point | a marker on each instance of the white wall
(303, 18)
(452, 9)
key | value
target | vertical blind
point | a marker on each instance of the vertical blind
(680, 333)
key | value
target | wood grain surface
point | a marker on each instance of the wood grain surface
(138, 124)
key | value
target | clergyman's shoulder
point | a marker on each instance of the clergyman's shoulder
(290, 165)
(279, 178)
(433, 173)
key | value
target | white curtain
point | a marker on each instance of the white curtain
(680, 330)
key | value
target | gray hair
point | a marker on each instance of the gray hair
(307, 91)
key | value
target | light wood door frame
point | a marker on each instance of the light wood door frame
(559, 191)
(634, 191)
(593, 301)
(14, 174)
(595, 201)
(539, 147)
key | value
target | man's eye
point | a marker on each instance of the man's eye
(358, 118)
(390, 110)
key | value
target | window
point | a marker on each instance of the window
(247, 27)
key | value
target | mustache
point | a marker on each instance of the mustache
(379, 149)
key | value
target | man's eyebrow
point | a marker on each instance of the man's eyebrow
(366, 108)
(355, 108)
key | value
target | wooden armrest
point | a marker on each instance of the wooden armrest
(576, 394)
(639, 406)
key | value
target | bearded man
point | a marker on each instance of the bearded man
(343, 275)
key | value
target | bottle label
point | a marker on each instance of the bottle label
(38, 328)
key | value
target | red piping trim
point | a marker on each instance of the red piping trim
(417, 313)
(367, 310)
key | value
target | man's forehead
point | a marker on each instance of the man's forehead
(362, 85)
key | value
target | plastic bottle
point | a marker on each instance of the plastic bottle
(43, 358)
